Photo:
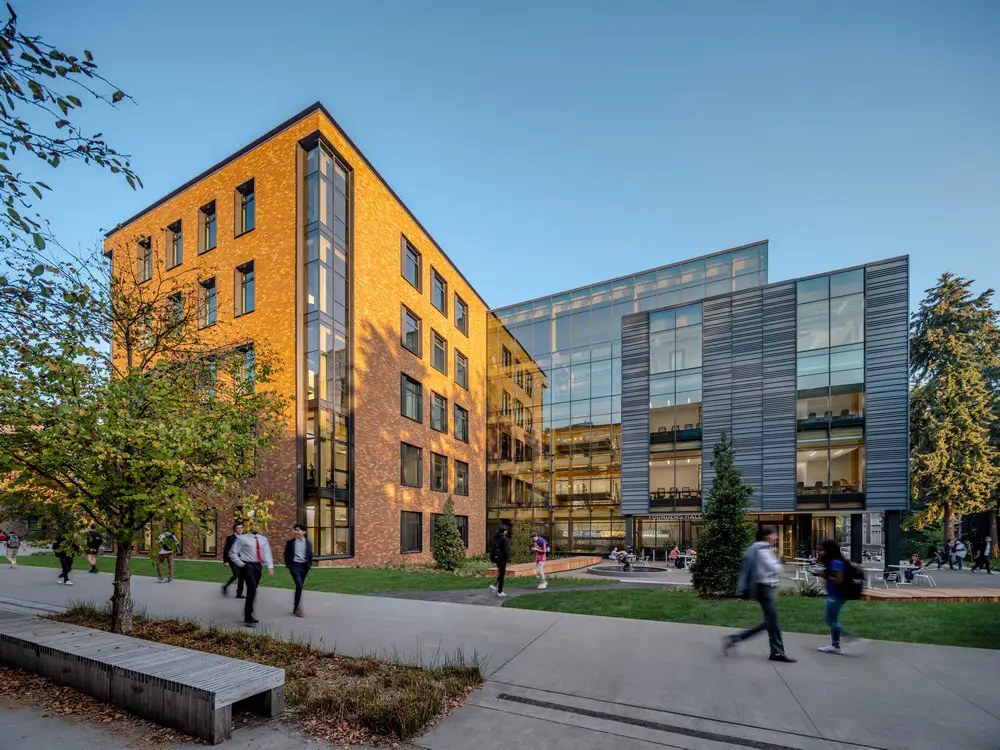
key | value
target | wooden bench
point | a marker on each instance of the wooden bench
(559, 565)
(189, 690)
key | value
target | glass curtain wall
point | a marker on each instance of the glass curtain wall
(830, 407)
(675, 408)
(328, 511)
(568, 348)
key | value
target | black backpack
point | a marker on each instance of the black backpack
(497, 551)
(854, 581)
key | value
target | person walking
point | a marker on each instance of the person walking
(298, 560)
(759, 578)
(168, 547)
(64, 551)
(249, 553)
(94, 541)
(960, 552)
(540, 547)
(500, 556)
(982, 561)
(834, 569)
(13, 542)
(234, 571)
(945, 555)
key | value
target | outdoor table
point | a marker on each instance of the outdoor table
(871, 575)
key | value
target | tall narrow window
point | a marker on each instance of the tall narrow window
(244, 284)
(175, 245)
(508, 360)
(411, 465)
(206, 228)
(462, 481)
(206, 303)
(411, 332)
(248, 368)
(411, 531)
(411, 398)
(461, 369)
(518, 413)
(144, 260)
(439, 472)
(246, 212)
(439, 413)
(461, 315)
(505, 404)
(175, 313)
(208, 534)
(411, 267)
(439, 354)
(439, 292)
(461, 424)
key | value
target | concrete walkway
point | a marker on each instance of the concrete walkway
(571, 681)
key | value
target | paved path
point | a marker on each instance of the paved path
(571, 681)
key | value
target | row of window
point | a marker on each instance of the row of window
(411, 472)
(523, 378)
(244, 296)
(412, 340)
(411, 406)
(522, 414)
(412, 269)
(411, 530)
(244, 221)
(522, 451)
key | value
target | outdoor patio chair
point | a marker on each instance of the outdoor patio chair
(922, 573)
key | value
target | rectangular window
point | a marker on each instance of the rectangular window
(246, 213)
(175, 245)
(461, 315)
(462, 485)
(529, 383)
(411, 265)
(439, 472)
(439, 413)
(411, 465)
(144, 260)
(461, 370)
(461, 424)
(244, 298)
(411, 332)
(518, 413)
(206, 303)
(175, 314)
(411, 399)
(505, 451)
(439, 292)
(505, 404)
(208, 534)
(461, 521)
(411, 531)
(206, 227)
(529, 423)
(518, 450)
(518, 374)
(439, 356)
(248, 368)
(508, 360)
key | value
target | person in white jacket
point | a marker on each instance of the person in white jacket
(760, 574)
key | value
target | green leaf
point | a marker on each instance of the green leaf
(39, 241)
(117, 96)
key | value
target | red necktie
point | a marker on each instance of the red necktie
(260, 558)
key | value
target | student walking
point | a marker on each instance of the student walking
(835, 571)
(298, 560)
(982, 561)
(64, 551)
(13, 546)
(168, 547)
(945, 555)
(249, 553)
(540, 547)
(94, 541)
(759, 578)
(235, 572)
(500, 556)
(960, 552)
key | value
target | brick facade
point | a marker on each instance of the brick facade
(379, 289)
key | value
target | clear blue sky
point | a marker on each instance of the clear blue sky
(551, 144)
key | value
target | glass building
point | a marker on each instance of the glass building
(554, 409)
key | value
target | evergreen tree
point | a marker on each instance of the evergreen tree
(446, 546)
(520, 543)
(727, 532)
(954, 358)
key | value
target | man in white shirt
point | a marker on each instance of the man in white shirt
(759, 578)
(249, 553)
(960, 552)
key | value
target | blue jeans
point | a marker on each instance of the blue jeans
(831, 614)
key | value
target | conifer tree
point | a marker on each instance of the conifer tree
(446, 546)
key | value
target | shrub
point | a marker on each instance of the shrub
(446, 543)
(520, 543)
(726, 534)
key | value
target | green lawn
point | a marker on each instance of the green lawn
(338, 580)
(943, 623)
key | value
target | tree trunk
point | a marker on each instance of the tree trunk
(948, 519)
(993, 533)
(121, 599)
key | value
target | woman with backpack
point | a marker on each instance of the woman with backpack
(839, 574)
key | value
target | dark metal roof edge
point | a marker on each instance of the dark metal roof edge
(313, 108)
(635, 273)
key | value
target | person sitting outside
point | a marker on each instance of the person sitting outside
(915, 565)
(675, 557)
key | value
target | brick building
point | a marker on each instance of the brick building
(297, 243)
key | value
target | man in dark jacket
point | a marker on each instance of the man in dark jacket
(500, 556)
(298, 560)
(230, 540)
